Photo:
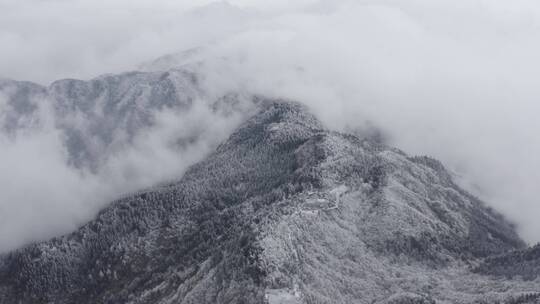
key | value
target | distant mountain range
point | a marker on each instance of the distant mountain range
(94, 114)
(283, 211)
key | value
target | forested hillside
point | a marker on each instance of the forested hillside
(285, 211)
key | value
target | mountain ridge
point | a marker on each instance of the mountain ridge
(283, 211)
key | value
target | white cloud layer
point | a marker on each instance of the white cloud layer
(457, 80)
(41, 195)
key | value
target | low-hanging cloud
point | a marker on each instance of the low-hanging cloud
(43, 195)
(457, 80)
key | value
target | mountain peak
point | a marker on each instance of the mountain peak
(284, 210)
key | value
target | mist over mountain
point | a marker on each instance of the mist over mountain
(255, 152)
(228, 197)
(70, 148)
(456, 80)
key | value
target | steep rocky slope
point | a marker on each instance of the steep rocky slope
(284, 211)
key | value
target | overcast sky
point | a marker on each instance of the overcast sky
(457, 80)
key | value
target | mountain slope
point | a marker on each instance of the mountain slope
(284, 211)
(99, 116)
(524, 263)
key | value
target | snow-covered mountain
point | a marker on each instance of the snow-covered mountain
(283, 211)
(98, 116)
(74, 146)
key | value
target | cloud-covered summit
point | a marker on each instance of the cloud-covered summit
(457, 80)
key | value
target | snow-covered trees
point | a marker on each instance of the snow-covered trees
(283, 209)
